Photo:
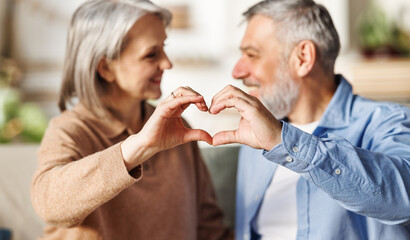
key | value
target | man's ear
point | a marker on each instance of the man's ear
(304, 57)
(105, 70)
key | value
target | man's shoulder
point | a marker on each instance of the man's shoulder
(366, 107)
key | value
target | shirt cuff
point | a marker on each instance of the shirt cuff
(295, 151)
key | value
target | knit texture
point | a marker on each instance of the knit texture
(82, 189)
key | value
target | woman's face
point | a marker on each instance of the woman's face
(138, 71)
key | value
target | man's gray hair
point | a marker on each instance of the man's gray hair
(98, 29)
(299, 20)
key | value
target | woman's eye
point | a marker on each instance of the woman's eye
(151, 55)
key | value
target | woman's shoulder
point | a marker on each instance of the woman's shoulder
(72, 125)
(68, 120)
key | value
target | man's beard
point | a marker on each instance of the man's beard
(280, 97)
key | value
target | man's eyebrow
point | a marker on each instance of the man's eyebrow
(247, 48)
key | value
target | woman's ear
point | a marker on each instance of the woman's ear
(304, 55)
(105, 70)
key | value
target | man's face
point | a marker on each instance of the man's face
(263, 67)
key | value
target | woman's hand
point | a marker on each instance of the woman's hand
(165, 129)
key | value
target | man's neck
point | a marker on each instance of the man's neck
(315, 94)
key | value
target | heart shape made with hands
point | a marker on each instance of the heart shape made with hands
(257, 127)
(226, 120)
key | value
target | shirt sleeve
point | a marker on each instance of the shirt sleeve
(67, 187)
(373, 181)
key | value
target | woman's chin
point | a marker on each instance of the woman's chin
(155, 95)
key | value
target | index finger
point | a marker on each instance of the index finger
(238, 103)
(229, 92)
(188, 91)
(179, 103)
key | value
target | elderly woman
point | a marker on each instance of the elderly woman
(114, 167)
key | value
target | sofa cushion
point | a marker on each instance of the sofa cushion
(17, 165)
(222, 163)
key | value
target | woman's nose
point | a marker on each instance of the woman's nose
(165, 62)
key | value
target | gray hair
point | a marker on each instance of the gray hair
(98, 29)
(302, 20)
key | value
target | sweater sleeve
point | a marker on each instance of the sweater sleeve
(210, 225)
(67, 186)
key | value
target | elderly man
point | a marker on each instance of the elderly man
(337, 166)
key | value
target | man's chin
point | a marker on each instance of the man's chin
(255, 93)
(272, 107)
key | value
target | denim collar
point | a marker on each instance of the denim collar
(338, 112)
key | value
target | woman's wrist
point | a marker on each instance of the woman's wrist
(135, 152)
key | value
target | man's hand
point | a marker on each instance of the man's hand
(258, 128)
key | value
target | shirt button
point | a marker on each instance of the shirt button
(256, 197)
(289, 159)
(338, 171)
(295, 149)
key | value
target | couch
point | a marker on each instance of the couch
(17, 165)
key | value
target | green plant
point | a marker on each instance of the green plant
(379, 35)
(19, 121)
(374, 28)
(401, 39)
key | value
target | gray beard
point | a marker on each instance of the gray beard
(281, 96)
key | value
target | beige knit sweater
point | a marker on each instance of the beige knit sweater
(83, 190)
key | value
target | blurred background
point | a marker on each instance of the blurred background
(203, 45)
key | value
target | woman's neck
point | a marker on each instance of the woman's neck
(126, 109)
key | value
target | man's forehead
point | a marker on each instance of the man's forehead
(260, 23)
(259, 32)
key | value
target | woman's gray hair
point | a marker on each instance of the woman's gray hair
(98, 29)
(299, 20)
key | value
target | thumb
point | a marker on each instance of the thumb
(225, 137)
(197, 135)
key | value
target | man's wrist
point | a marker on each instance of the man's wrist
(276, 137)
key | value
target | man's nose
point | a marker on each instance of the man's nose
(240, 70)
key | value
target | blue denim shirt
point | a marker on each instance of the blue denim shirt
(354, 168)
